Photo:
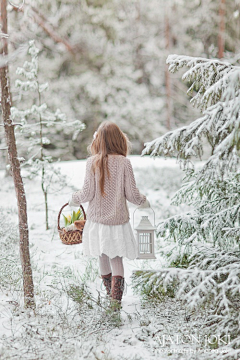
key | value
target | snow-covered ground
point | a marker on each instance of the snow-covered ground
(82, 329)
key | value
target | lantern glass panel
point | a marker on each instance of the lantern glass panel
(145, 243)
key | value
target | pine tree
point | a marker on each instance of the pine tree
(208, 236)
(37, 123)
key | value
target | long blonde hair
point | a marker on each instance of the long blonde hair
(109, 139)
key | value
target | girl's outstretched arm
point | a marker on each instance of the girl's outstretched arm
(131, 191)
(88, 190)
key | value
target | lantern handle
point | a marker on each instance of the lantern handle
(146, 208)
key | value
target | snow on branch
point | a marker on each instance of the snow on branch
(7, 59)
(220, 123)
(219, 276)
(184, 141)
(208, 77)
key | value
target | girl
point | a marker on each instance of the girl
(108, 183)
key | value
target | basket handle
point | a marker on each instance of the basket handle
(84, 214)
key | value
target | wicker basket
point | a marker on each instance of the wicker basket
(70, 237)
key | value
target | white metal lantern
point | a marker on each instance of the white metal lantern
(145, 238)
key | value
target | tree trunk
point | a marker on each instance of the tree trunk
(167, 76)
(15, 167)
(221, 31)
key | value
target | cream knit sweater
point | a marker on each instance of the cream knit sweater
(112, 208)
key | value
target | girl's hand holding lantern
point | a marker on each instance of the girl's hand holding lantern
(145, 205)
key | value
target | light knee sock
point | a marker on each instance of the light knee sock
(117, 266)
(104, 264)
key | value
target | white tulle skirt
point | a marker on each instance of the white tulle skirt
(112, 240)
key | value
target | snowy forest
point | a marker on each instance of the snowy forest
(168, 74)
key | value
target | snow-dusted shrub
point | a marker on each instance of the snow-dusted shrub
(11, 273)
(66, 315)
(8, 229)
(151, 287)
(210, 233)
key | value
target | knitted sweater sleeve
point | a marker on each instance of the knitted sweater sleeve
(131, 191)
(88, 190)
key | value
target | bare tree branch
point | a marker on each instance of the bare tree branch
(44, 24)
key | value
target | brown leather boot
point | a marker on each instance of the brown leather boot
(117, 289)
(107, 280)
